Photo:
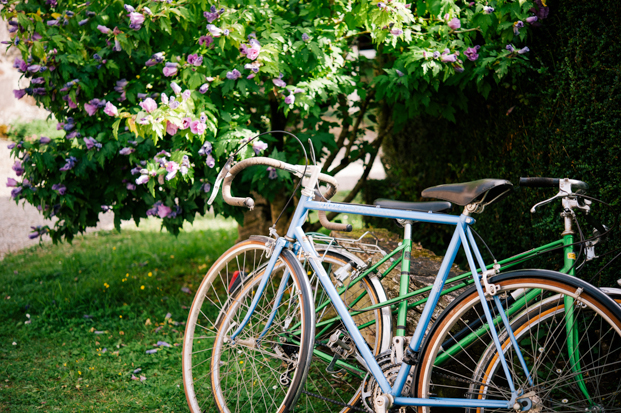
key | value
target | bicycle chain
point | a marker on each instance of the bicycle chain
(326, 399)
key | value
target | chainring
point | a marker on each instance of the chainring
(370, 387)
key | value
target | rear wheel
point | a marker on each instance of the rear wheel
(460, 359)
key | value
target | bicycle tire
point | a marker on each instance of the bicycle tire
(283, 363)
(443, 374)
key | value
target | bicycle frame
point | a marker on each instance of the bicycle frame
(461, 237)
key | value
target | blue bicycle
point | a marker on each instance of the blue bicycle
(528, 340)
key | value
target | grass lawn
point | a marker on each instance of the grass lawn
(77, 320)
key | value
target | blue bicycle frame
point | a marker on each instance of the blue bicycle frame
(462, 236)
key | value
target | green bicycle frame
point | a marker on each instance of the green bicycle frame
(400, 306)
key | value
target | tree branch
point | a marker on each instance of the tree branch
(354, 133)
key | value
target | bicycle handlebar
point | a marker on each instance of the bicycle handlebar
(298, 170)
(539, 182)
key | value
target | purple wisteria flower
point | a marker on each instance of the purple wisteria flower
(279, 82)
(396, 32)
(185, 123)
(186, 95)
(448, 58)
(172, 168)
(399, 73)
(205, 149)
(38, 231)
(197, 127)
(488, 10)
(215, 32)
(206, 187)
(233, 74)
(135, 20)
(381, 5)
(210, 161)
(74, 134)
(171, 128)
(111, 110)
(510, 48)
(175, 87)
(82, 22)
(130, 186)
(454, 23)
(90, 109)
(272, 174)
(472, 53)
(61, 189)
(18, 168)
(258, 146)
(33, 68)
(69, 164)
(11, 182)
(203, 89)
(15, 192)
(195, 59)
(517, 26)
(205, 40)
(148, 105)
(19, 93)
(523, 50)
(37, 81)
(126, 151)
(92, 143)
(103, 29)
(305, 37)
(128, 8)
(44, 140)
(164, 99)
(289, 100)
(142, 179)
(170, 69)
(531, 19)
(20, 65)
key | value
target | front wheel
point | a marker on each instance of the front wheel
(568, 332)
(264, 367)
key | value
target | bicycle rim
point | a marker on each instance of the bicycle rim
(260, 373)
(453, 366)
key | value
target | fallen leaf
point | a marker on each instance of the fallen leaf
(168, 315)
(148, 322)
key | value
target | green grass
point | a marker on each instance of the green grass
(123, 285)
(34, 129)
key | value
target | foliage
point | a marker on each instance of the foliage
(563, 121)
(153, 101)
(69, 294)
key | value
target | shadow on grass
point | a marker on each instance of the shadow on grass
(78, 319)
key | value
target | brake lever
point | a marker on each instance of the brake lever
(216, 187)
(547, 201)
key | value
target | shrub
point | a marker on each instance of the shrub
(154, 96)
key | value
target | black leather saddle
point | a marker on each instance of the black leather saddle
(414, 206)
(483, 191)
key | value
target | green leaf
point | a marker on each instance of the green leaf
(37, 50)
(115, 128)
